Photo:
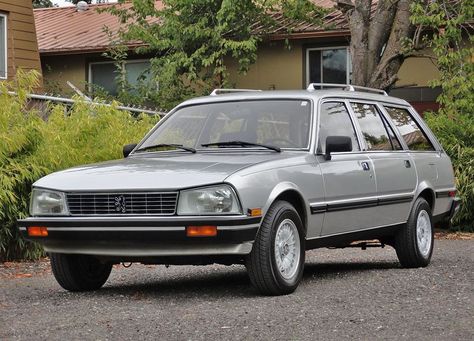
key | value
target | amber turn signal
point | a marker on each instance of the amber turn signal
(37, 231)
(201, 231)
(255, 212)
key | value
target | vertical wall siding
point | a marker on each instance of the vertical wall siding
(21, 40)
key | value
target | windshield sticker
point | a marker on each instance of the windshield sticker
(304, 103)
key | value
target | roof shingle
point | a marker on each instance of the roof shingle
(64, 30)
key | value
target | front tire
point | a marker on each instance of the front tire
(79, 272)
(414, 243)
(276, 263)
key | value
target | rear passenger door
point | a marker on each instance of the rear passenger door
(394, 170)
(349, 179)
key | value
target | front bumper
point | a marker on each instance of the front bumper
(138, 236)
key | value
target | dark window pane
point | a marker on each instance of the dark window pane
(315, 66)
(409, 129)
(335, 66)
(335, 121)
(137, 72)
(372, 127)
(104, 75)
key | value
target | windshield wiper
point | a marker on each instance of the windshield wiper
(240, 143)
(177, 146)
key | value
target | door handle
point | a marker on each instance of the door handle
(407, 164)
(365, 166)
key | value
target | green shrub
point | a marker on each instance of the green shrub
(457, 137)
(32, 147)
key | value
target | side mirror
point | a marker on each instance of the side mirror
(127, 149)
(337, 144)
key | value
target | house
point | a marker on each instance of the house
(72, 43)
(18, 44)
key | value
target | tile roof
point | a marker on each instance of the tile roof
(64, 30)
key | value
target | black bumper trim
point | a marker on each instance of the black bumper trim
(136, 221)
(143, 231)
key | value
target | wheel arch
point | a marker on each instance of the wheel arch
(426, 191)
(290, 192)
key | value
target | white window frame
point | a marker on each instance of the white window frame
(5, 18)
(131, 61)
(326, 48)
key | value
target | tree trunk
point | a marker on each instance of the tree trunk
(378, 33)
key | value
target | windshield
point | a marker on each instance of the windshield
(279, 123)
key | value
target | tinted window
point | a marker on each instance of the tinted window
(373, 128)
(409, 129)
(335, 121)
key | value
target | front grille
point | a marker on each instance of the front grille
(163, 203)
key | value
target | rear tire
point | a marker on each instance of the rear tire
(414, 242)
(79, 272)
(276, 263)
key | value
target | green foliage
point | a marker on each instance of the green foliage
(456, 135)
(42, 3)
(450, 38)
(193, 41)
(32, 147)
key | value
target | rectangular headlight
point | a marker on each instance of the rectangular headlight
(47, 202)
(219, 199)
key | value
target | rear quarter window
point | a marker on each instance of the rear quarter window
(410, 130)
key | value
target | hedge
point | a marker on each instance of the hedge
(32, 147)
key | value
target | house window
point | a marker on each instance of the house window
(106, 75)
(328, 65)
(3, 46)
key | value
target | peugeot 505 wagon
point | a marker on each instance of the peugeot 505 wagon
(254, 178)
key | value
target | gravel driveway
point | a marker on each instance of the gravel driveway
(345, 294)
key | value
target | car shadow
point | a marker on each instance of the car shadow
(231, 283)
(335, 269)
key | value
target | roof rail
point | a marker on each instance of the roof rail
(312, 86)
(216, 92)
(346, 87)
(363, 88)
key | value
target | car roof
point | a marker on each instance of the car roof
(314, 95)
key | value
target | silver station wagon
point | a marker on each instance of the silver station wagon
(254, 178)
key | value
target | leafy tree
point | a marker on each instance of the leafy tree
(380, 31)
(192, 41)
(42, 3)
(448, 27)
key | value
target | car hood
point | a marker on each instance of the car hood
(155, 172)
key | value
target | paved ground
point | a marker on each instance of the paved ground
(345, 294)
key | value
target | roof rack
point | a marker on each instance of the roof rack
(346, 87)
(216, 92)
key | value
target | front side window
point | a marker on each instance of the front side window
(280, 123)
(329, 65)
(107, 76)
(335, 121)
(374, 129)
(409, 129)
(3, 46)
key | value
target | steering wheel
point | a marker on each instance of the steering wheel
(281, 139)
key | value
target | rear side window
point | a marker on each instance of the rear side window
(377, 134)
(409, 129)
(335, 121)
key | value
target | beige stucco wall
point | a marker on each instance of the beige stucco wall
(277, 67)
(280, 68)
(57, 70)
